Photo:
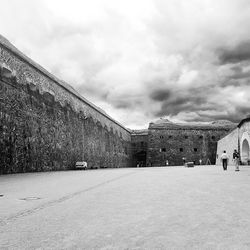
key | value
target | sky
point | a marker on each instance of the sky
(139, 60)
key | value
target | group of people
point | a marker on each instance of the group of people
(224, 159)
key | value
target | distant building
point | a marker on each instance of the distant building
(177, 143)
(172, 144)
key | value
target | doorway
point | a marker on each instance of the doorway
(245, 151)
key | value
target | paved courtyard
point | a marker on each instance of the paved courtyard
(147, 208)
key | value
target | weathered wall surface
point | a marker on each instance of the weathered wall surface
(228, 143)
(244, 129)
(139, 147)
(244, 136)
(46, 125)
(172, 144)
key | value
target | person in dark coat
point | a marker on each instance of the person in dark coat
(224, 158)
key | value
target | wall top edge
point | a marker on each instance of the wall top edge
(9, 46)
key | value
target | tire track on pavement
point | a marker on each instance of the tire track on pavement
(27, 212)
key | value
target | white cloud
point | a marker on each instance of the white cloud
(141, 59)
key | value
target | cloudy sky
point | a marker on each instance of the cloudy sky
(142, 59)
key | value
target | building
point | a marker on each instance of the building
(139, 147)
(175, 143)
(238, 139)
(47, 125)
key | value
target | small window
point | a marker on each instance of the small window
(170, 136)
(213, 137)
(161, 137)
(186, 136)
(195, 149)
(142, 143)
(201, 137)
(163, 150)
(181, 149)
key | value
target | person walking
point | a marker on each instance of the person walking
(224, 158)
(236, 157)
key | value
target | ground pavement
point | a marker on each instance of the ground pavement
(134, 208)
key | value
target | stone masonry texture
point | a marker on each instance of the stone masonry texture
(228, 143)
(235, 140)
(173, 142)
(45, 126)
(139, 147)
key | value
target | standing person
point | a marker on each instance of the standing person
(224, 158)
(236, 157)
(184, 161)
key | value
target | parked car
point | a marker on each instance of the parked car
(81, 165)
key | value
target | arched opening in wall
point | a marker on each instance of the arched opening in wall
(245, 151)
(140, 158)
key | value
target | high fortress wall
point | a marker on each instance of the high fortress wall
(46, 125)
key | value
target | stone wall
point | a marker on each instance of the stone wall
(46, 125)
(244, 140)
(173, 143)
(228, 143)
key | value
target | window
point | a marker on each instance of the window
(170, 136)
(163, 150)
(213, 137)
(181, 149)
(142, 143)
(195, 149)
(161, 136)
(186, 136)
(201, 136)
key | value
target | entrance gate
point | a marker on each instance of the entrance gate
(245, 151)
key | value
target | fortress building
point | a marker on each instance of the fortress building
(175, 143)
(238, 139)
(46, 125)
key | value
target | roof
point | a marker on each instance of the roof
(139, 132)
(215, 125)
(9, 46)
(247, 119)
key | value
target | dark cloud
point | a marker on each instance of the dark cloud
(160, 95)
(241, 75)
(234, 116)
(234, 55)
(154, 63)
(122, 104)
(191, 100)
